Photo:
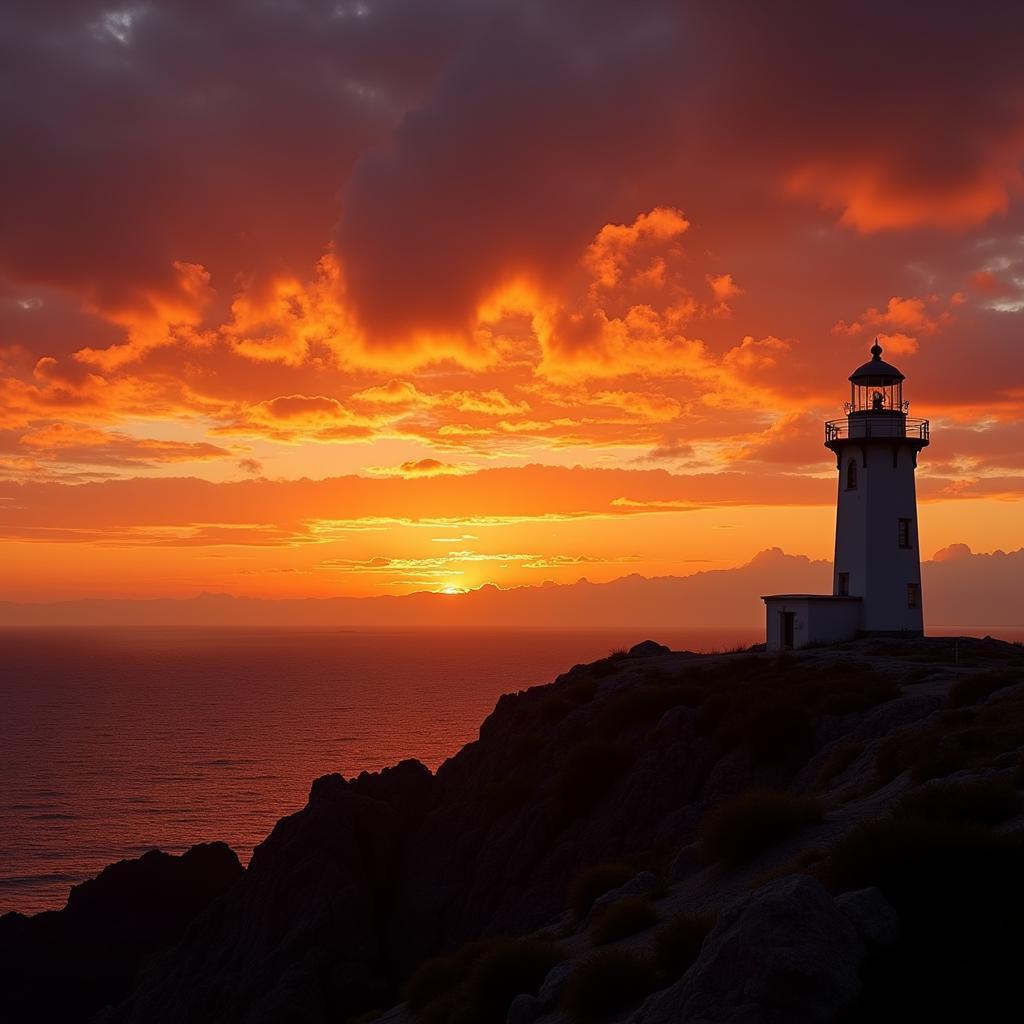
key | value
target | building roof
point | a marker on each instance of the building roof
(876, 370)
(808, 597)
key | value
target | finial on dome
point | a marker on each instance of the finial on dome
(876, 350)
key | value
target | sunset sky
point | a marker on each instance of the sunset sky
(303, 298)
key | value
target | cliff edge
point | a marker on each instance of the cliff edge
(653, 837)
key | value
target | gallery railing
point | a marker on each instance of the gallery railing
(876, 425)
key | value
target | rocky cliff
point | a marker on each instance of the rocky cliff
(62, 965)
(832, 835)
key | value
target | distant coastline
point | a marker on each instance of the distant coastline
(955, 583)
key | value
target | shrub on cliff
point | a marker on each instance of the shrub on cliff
(857, 692)
(838, 760)
(622, 919)
(968, 737)
(979, 685)
(593, 882)
(608, 982)
(476, 984)
(436, 978)
(987, 800)
(743, 828)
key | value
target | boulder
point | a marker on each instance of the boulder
(554, 984)
(870, 913)
(646, 883)
(524, 1009)
(787, 952)
(648, 649)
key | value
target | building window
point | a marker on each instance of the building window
(843, 585)
(851, 475)
(913, 595)
(903, 533)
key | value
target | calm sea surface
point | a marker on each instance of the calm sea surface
(116, 741)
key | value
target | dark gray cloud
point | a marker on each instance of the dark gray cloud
(460, 141)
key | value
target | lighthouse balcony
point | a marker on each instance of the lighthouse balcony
(860, 425)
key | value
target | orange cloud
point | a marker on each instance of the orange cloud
(872, 195)
(723, 288)
(73, 443)
(752, 354)
(898, 344)
(616, 245)
(285, 320)
(395, 392)
(154, 318)
(293, 418)
(982, 281)
(901, 315)
(421, 467)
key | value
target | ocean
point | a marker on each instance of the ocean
(113, 742)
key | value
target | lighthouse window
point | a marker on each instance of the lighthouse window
(913, 595)
(851, 475)
(904, 533)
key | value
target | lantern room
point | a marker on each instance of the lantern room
(877, 386)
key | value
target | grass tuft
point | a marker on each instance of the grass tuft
(593, 882)
(477, 984)
(623, 919)
(988, 800)
(976, 687)
(743, 828)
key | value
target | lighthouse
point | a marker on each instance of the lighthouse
(876, 578)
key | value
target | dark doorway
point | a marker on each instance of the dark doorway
(788, 619)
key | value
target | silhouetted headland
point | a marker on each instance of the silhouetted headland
(831, 835)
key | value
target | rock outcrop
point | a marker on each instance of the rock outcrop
(64, 965)
(302, 937)
(787, 952)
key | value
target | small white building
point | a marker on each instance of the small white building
(876, 586)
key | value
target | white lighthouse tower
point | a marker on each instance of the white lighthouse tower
(876, 584)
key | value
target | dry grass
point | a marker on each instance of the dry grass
(477, 984)
(622, 919)
(968, 737)
(988, 800)
(593, 882)
(742, 829)
(838, 760)
(976, 687)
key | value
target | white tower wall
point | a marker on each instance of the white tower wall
(868, 534)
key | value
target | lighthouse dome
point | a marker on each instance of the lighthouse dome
(876, 371)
